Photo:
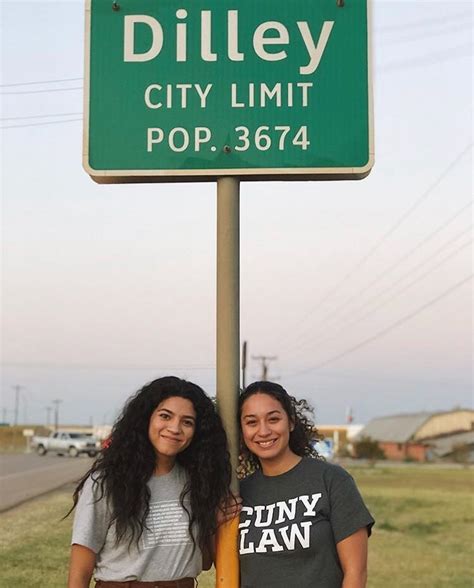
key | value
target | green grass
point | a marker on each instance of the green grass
(424, 532)
(34, 544)
(423, 537)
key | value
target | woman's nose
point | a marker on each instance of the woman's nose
(263, 429)
(174, 426)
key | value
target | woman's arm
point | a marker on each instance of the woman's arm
(229, 508)
(352, 552)
(81, 566)
(227, 511)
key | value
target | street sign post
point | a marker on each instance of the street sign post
(178, 90)
(227, 90)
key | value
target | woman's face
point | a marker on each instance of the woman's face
(172, 425)
(266, 427)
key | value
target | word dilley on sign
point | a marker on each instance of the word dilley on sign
(179, 90)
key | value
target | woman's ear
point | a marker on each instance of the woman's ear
(292, 426)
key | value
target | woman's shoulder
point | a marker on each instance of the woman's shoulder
(310, 468)
(330, 471)
(92, 484)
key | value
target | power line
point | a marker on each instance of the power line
(383, 332)
(54, 365)
(370, 312)
(423, 23)
(337, 311)
(403, 258)
(369, 377)
(445, 21)
(424, 60)
(387, 234)
(41, 116)
(431, 59)
(41, 91)
(42, 124)
(418, 278)
(41, 82)
(417, 37)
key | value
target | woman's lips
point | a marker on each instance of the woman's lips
(266, 444)
(173, 439)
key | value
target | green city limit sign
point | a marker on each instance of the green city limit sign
(182, 90)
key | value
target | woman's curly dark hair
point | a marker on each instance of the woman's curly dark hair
(298, 411)
(123, 469)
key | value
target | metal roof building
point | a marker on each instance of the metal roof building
(421, 436)
(418, 426)
(444, 446)
(399, 428)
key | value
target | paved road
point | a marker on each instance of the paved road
(24, 476)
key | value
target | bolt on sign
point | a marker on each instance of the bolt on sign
(182, 90)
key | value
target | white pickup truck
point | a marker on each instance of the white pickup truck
(66, 443)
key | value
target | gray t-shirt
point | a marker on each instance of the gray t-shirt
(165, 550)
(290, 525)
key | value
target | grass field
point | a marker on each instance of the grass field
(423, 536)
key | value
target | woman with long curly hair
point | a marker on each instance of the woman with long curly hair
(303, 521)
(147, 509)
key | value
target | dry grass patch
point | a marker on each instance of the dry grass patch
(423, 536)
(425, 526)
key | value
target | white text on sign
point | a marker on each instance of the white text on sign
(263, 138)
(249, 95)
(281, 38)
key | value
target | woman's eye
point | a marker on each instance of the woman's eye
(164, 416)
(251, 423)
(188, 423)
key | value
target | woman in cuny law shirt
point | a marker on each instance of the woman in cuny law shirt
(303, 522)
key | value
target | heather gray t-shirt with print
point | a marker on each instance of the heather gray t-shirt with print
(165, 550)
(290, 525)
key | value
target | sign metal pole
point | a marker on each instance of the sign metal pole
(228, 354)
(304, 115)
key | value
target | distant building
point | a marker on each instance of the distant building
(340, 436)
(422, 436)
(455, 447)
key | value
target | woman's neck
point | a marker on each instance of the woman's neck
(281, 465)
(164, 465)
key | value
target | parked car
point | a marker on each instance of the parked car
(324, 447)
(66, 443)
(106, 442)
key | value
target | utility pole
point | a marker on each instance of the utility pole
(25, 408)
(56, 402)
(264, 359)
(244, 364)
(48, 415)
(17, 389)
(349, 415)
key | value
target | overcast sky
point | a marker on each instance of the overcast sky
(362, 290)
